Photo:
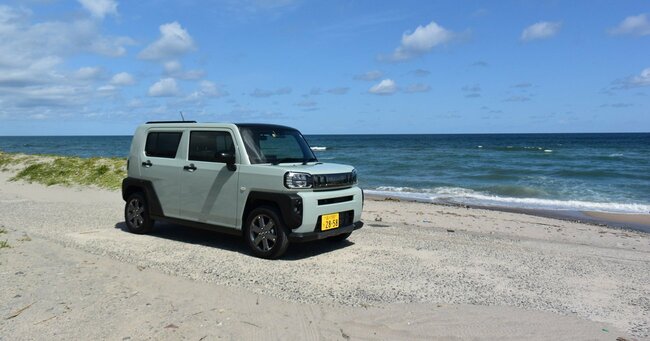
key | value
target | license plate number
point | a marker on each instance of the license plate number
(329, 221)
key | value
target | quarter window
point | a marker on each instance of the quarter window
(210, 146)
(162, 144)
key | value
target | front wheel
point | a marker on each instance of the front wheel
(136, 214)
(265, 233)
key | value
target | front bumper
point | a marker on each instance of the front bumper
(317, 203)
(309, 236)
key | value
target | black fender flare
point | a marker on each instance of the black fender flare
(289, 204)
(131, 185)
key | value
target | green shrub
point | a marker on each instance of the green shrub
(66, 170)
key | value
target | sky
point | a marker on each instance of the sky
(102, 67)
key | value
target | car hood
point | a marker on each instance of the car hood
(318, 168)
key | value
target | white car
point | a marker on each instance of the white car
(261, 181)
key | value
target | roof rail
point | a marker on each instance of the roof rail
(151, 122)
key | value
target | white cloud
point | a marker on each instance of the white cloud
(385, 87)
(208, 89)
(88, 73)
(634, 25)
(38, 117)
(268, 93)
(34, 75)
(174, 69)
(122, 78)
(61, 96)
(172, 66)
(642, 79)
(174, 41)
(420, 41)
(22, 42)
(265, 7)
(100, 8)
(369, 76)
(165, 87)
(541, 30)
(110, 46)
(106, 88)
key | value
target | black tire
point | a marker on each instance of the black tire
(265, 233)
(340, 237)
(136, 214)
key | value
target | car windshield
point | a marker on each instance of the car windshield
(268, 144)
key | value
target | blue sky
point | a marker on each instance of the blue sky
(102, 67)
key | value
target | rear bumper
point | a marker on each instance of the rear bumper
(309, 236)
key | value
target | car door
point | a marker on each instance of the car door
(209, 188)
(160, 165)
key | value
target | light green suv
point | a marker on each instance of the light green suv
(261, 181)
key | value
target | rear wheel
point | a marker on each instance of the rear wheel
(265, 234)
(136, 214)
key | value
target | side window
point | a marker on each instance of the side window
(210, 145)
(162, 144)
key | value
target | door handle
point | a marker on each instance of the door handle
(190, 168)
(147, 164)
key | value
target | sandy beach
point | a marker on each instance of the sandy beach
(415, 271)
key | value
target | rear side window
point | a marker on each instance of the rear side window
(162, 144)
(210, 145)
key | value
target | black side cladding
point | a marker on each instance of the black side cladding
(290, 205)
(131, 185)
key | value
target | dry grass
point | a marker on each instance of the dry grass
(65, 170)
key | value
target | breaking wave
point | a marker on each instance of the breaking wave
(463, 196)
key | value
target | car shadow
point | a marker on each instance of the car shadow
(186, 234)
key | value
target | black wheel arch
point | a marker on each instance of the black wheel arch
(289, 205)
(133, 185)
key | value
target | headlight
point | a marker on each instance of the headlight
(297, 180)
(353, 174)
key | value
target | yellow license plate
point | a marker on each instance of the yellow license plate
(329, 221)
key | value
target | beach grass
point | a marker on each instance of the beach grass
(4, 244)
(65, 170)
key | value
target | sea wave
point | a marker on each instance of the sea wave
(519, 148)
(464, 196)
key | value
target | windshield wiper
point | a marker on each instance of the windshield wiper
(313, 159)
(286, 159)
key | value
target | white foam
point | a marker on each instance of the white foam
(318, 149)
(465, 196)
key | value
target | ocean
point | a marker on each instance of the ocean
(575, 172)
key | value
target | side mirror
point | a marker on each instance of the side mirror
(228, 159)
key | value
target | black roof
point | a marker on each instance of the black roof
(152, 122)
(263, 125)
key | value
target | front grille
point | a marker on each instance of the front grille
(334, 200)
(326, 181)
(345, 219)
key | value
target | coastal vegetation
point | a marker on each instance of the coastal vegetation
(65, 170)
